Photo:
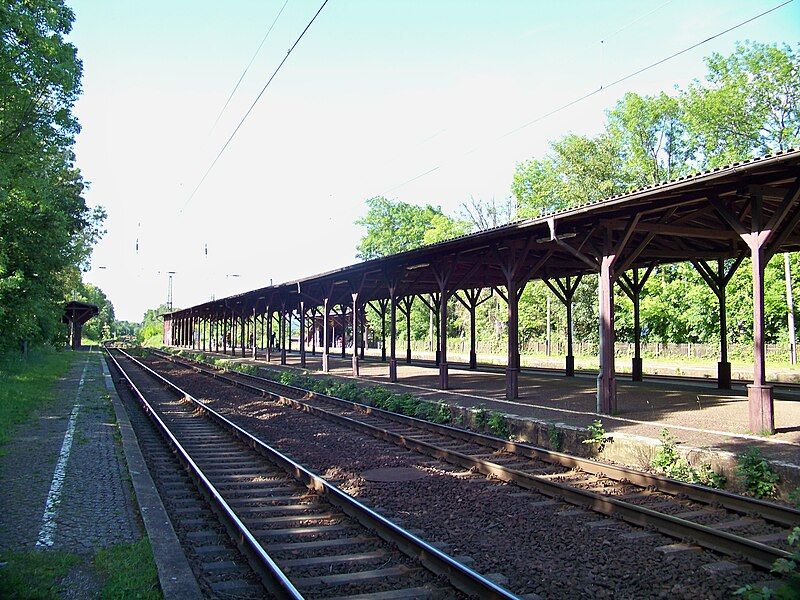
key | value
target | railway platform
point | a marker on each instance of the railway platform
(700, 417)
(65, 483)
(74, 483)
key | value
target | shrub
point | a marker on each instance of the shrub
(669, 462)
(498, 424)
(758, 477)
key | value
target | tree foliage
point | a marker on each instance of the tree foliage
(748, 106)
(151, 331)
(104, 325)
(46, 228)
(393, 226)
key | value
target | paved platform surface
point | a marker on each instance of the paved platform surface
(64, 480)
(696, 414)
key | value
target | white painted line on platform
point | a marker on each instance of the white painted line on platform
(48, 529)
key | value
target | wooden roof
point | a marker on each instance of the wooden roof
(697, 217)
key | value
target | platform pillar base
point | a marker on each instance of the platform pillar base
(636, 369)
(569, 369)
(723, 375)
(761, 409)
(512, 383)
(393, 370)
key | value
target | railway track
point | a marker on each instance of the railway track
(303, 536)
(745, 528)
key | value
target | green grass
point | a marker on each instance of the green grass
(28, 384)
(34, 574)
(129, 571)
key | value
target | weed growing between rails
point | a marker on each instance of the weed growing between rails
(669, 462)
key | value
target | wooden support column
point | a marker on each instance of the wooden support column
(565, 292)
(442, 273)
(313, 326)
(354, 295)
(253, 335)
(301, 318)
(224, 333)
(243, 333)
(263, 326)
(289, 317)
(434, 306)
(606, 379)
(718, 282)
(282, 329)
(343, 308)
(763, 240)
(393, 300)
(512, 262)
(611, 252)
(325, 335)
(408, 301)
(511, 296)
(762, 417)
(633, 286)
(269, 333)
(382, 303)
(364, 330)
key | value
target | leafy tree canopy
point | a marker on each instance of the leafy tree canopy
(46, 228)
(393, 227)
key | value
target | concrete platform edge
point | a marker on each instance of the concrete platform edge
(174, 573)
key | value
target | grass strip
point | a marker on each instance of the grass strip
(29, 384)
(129, 571)
(34, 574)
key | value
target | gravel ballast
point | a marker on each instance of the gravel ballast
(539, 545)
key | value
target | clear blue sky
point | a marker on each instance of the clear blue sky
(375, 94)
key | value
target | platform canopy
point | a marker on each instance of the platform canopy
(75, 315)
(748, 209)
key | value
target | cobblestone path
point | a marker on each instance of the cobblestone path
(94, 507)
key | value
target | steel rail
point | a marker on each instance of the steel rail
(460, 576)
(757, 553)
(770, 511)
(273, 577)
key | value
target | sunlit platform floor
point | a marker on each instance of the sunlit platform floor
(695, 412)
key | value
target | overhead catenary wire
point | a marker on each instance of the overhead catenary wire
(593, 93)
(252, 106)
(249, 64)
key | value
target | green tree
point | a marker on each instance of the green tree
(152, 329)
(577, 170)
(101, 326)
(46, 229)
(651, 136)
(749, 104)
(393, 226)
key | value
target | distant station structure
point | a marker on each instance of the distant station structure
(714, 220)
(75, 315)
